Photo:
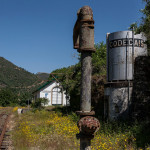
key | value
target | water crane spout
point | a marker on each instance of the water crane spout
(83, 40)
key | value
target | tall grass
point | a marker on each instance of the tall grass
(45, 130)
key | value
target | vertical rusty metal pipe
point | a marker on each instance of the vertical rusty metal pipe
(85, 100)
(83, 37)
(85, 143)
(86, 47)
(86, 70)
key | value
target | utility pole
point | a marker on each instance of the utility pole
(83, 38)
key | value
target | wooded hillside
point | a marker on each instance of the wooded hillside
(16, 84)
(15, 77)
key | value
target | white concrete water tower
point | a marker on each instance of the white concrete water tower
(122, 49)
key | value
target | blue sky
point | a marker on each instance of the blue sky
(37, 34)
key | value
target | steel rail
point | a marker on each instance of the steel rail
(4, 127)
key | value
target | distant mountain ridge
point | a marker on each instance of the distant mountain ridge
(43, 75)
(13, 76)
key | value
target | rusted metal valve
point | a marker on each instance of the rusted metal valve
(88, 125)
(83, 34)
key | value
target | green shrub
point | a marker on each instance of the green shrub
(39, 103)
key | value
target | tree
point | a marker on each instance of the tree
(25, 98)
(145, 23)
(40, 103)
(7, 97)
(99, 59)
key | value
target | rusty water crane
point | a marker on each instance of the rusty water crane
(83, 38)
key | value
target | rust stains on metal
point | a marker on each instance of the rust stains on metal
(86, 13)
(4, 120)
(84, 113)
(86, 37)
(83, 32)
(119, 84)
(88, 125)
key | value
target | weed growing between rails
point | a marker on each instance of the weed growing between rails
(50, 130)
(5, 110)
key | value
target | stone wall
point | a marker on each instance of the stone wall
(141, 89)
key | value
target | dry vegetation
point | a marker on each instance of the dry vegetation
(45, 130)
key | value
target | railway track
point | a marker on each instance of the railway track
(4, 134)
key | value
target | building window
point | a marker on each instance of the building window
(46, 95)
(57, 96)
